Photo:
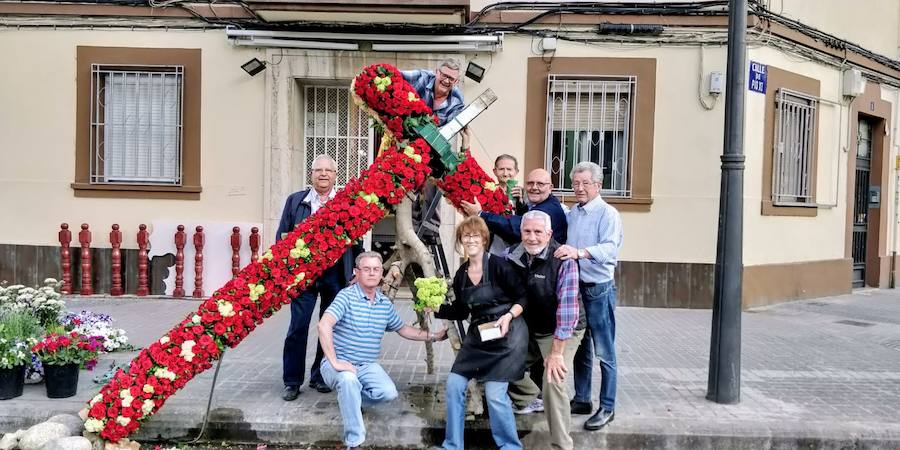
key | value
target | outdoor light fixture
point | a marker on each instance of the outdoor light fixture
(253, 67)
(475, 72)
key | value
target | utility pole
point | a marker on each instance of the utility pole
(724, 384)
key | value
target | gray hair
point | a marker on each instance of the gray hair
(450, 63)
(507, 157)
(365, 255)
(535, 214)
(586, 166)
(324, 156)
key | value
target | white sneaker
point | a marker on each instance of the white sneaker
(536, 405)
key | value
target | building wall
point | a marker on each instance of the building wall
(38, 151)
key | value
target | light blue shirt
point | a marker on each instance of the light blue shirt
(361, 324)
(596, 227)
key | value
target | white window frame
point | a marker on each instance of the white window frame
(147, 124)
(618, 169)
(361, 131)
(793, 153)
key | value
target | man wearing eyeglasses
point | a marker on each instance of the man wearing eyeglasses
(538, 191)
(298, 207)
(595, 238)
(437, 88)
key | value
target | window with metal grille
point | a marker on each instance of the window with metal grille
(590, 118)
(335, 126)
(136, 124)
(792, 164)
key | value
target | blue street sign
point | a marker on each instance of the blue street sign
(757, 77)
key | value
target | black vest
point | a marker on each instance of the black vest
(541, 277)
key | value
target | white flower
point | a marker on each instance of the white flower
(148, 389)
(195, 319)
(147, 406)
(164, 340)
(225, 308)
(124, 421)
(126, 402)
(96, 399)
(124, 393)
(93, 425)
(187, 350)
(162, 372)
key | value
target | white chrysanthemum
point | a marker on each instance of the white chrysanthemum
(93, 425)
(147, 406)
(124, 421)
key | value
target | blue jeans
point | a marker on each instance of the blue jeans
(294, 355)
(369, 386)
(503, 422)
(600, 340)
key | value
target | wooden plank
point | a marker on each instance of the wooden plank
(632, 281)
(101, 261)
(702, 282)
(8, 263)
(679, 285)
(655, 288)
(159, 270)
(129, 269)
(48, 263)
(26, 265)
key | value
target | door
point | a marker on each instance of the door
(861, 201)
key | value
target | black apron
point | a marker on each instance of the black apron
(500, 359)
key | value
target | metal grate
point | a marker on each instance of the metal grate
(136, 124)
(590, 118)
(335, 126)
(794, 137)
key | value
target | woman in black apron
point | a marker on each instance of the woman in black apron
(487, 290)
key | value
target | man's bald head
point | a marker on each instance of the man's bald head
(538, 186)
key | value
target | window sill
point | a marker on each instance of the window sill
(623, 204)
(136, 191)
(773, 209)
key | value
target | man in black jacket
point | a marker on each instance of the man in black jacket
(555, 321)
(298, 207)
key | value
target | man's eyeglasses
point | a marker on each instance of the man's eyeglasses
(449, 77)
(323, 170)
(578, 184)
(537, 183)
(369, 269)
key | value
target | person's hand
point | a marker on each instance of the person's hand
(352, 280)
(566, 252)
(344, 366)
(555, 367)
(503, 323)
(518, 192)
(441, 335)
(471, 209)
(465, 136)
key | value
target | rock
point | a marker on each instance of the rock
(42, 433)
(9, 441)
(68, 443)
(72, 423)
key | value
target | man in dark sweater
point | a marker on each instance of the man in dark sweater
(538, 187)
(555, 321)
(298, 207)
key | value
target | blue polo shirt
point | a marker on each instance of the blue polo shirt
(361, 324)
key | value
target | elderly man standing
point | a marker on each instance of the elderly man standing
(350, 332)
(298, 207)
(556, 322)
(595, 238)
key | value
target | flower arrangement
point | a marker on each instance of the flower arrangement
(44, 302)
(469, 182)
(67, 348)
(430, 293)
(284, 270)
(99, 327)
(18, 332)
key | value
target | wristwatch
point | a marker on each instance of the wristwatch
(583, 253)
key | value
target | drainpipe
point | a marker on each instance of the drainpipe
(896, 152)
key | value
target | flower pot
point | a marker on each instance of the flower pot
(11, 382)
(61, 380)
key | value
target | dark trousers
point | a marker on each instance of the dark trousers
(294, 356)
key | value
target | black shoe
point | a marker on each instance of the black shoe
(320, 386)
(290, 393)
(577, 407)
(599, 420)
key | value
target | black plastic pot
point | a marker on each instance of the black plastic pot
(61, 380)
(11, 382)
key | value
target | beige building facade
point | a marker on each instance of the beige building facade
(821, 146)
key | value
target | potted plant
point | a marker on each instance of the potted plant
(18, 331)
(62, 355)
